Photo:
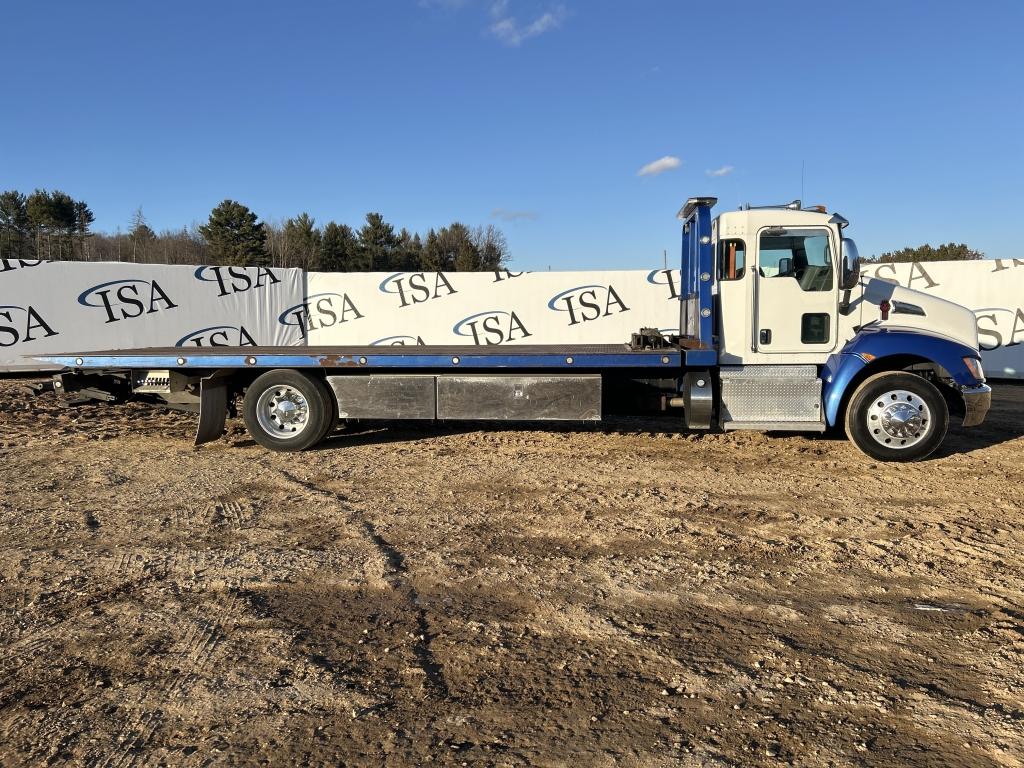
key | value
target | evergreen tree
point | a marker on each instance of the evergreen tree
(947, 252)
(467, 255)
(43, 219)
(83, 220)
(338, 248)
(63, 207)
(415, 251)
(302, 240)
(53, 220)
(235, 236)
(378, 244)
(432, 257)
(450, 249)
(408, 252)
(40, 221)
(15, 239)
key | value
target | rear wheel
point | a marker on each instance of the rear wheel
(285, 410)
(897, 416)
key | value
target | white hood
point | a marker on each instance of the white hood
(920, 311)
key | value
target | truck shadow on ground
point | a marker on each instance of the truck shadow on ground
(1005, 423)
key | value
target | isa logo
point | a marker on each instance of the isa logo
(416, 287)
(1000, 264)
(237, 279)
(586, 303)
(504, 274)
(127, 299)
(494, 327)
(666, 277)
(218, 336)
(22, 324)
(399, 341)
(321, 310)
(1000, 327)
(6, 265)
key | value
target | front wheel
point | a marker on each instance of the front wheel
(285, 410)
(897, 416)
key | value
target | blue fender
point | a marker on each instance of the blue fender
(873, 344)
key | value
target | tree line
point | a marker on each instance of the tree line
(946, 252)
(55, 226)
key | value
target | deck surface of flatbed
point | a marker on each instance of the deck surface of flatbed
(349, 356)
(358, 349)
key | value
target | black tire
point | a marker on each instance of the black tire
(897, 416)
(277, 430)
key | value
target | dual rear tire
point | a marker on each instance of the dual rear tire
(285, 410)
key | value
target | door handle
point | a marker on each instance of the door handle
(766, 336)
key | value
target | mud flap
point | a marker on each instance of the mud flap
(213, 407)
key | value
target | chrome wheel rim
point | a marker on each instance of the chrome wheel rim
(899, 419)
(282, 412)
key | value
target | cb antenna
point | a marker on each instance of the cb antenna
(801, 179)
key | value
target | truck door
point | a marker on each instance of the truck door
(795, 292)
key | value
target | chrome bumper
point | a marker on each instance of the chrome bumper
(977, 401)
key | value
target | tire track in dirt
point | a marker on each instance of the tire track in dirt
(201, 644)
(125, 747)
(50, 617)
(237, 514)
(400, 582)
(131, 742)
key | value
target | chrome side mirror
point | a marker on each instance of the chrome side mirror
(851, 265)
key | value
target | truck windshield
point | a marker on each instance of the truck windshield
(803, 255)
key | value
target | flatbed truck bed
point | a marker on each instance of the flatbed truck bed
(450, 382)
(590, 356)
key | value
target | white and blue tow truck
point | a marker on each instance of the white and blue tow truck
(777, 332)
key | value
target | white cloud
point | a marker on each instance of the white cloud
(662, 164)
(506, 215)
(725, 170)
(511, 32)
(504, 25)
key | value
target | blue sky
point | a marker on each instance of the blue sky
(536, 116)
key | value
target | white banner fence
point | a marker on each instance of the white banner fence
(79, 306)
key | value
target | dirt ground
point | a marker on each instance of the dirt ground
(615, 596)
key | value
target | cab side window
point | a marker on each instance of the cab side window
(732, 259)
(802, 255)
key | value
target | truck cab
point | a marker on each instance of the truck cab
(798, 333)
(785, 264)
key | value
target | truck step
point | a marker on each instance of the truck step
(771, 397)
(775, 426)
